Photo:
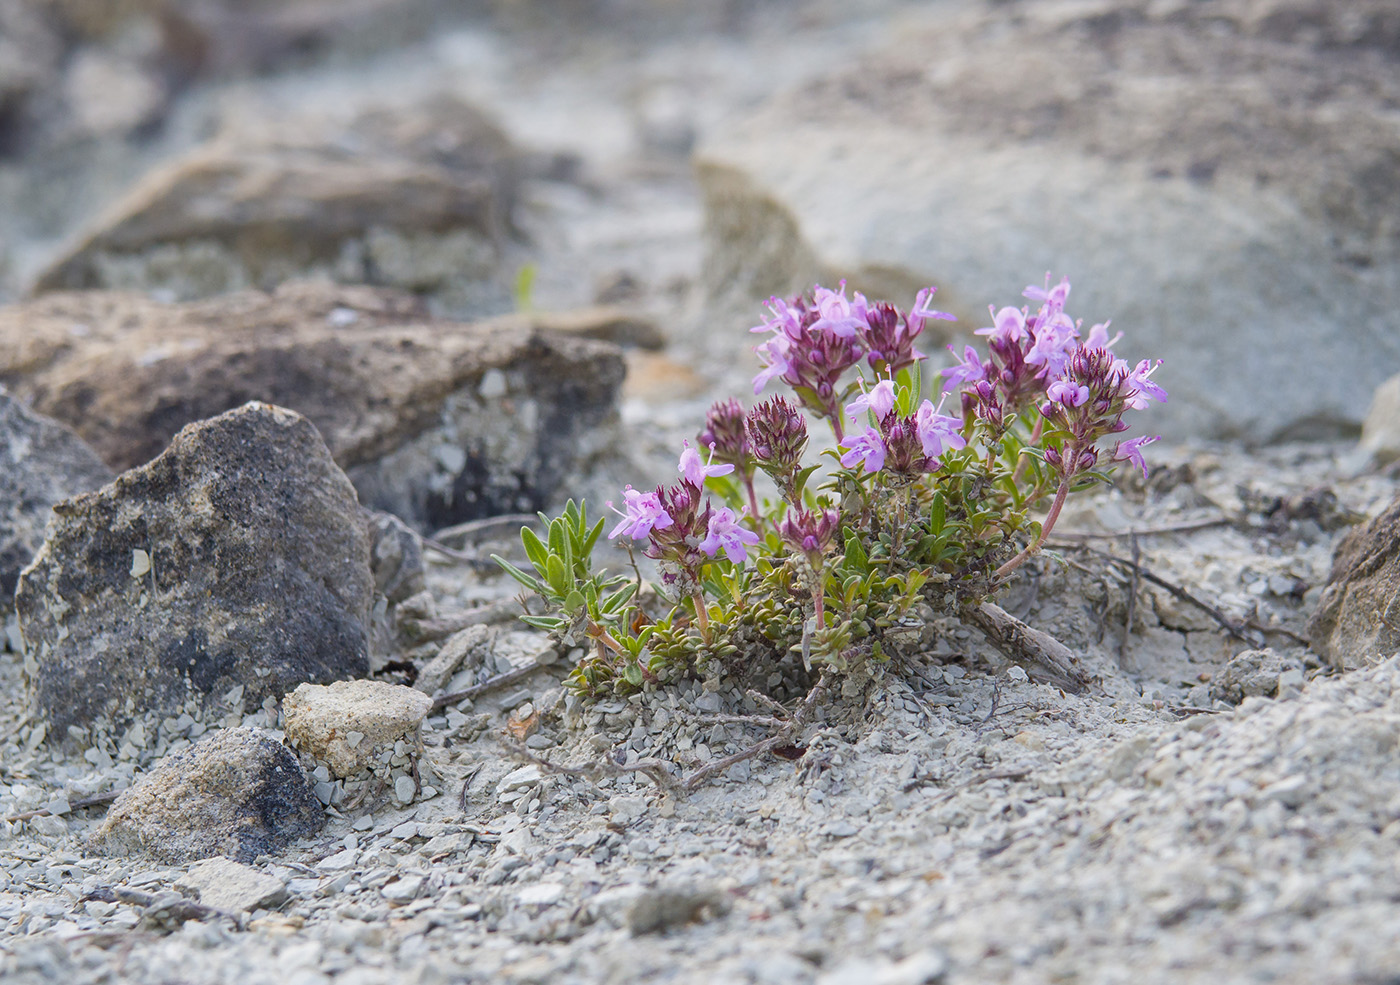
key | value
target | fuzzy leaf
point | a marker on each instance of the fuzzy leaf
(531, 583)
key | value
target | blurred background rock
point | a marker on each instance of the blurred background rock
(1219, 177)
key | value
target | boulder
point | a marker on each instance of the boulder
(238, 793)
(237, 559)
(435, 421)
(41, 463)
(1219, 178)
(1358, 616)
(353, 725)
(416, 197)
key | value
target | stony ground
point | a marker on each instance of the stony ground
(957, 822)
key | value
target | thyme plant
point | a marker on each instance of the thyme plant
(913, 506)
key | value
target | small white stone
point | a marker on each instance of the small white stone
(403, 890)
(541, 894)
(404, 789)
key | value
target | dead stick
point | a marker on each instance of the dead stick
(1177, 528)
(467, 530)
(500, 680)
(96, 800)
(1045, 659)
(1226, 623)
(1132, 606)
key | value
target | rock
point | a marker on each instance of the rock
(237, 559)
(436, 422)
(923, 968)
(395, 556)
(1253, 673)
(232, 886)
(109, 95)
(1195, 169)
(472, 642)
(404, 889)
(417, 197)
(1380, 432)
(349, 724)
(661, 909)
(238, 793)
(43, 462)
(1358, 616)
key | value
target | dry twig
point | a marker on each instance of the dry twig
(1045, 659)
(490, 684)
(96, 800)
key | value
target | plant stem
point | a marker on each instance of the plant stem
(833, 414)
(1034, 546)
(607, 639)
(753, 498)
(702, 616)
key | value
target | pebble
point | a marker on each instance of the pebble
(403, 890)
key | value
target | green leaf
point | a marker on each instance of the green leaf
(855, 553)
(800, 480)
(557, 575)
(633, 674)
(592, 539)
(545, 622)
(937, 513)
(615, 602)
(534, 548)
(574, 601)
(520, 576)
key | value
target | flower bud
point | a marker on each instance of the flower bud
(777, 436)
(724, 433)
(810, 531)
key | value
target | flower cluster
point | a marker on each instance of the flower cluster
(913, 506)
(815, 341)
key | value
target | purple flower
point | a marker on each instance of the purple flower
(878, 401)
(867, 448)
(1141, 387)
(938, 432)
(969, 369)
(1131, 451)
(1055, 340)
(1008, 325)
(643, 515)
(774, 355)
(726, 534)
(1098, 337)
(695, 471)
(838, 316)
(921, 312)
(783, 318)
(1066, 391)
(1054, 297)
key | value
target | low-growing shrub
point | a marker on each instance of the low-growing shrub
(913, 506)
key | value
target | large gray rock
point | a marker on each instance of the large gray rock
(1219, 178)
(417, 197)
(435, 421)
(1358, 616)
(238, 558)
(41, 463)
(239, 794)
